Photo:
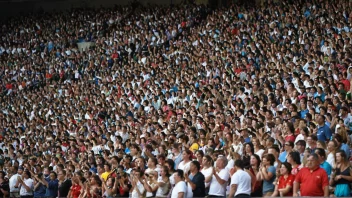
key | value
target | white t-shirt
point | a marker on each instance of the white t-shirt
(29, 183)
(215, 187)
(12, 183)
(179, 187)
(184, 166)
(243, 181)
(140, 188)
(207, 172)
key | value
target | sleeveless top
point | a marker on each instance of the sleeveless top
(163, 191)
(346, 172)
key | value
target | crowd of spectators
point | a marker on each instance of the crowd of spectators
(178, 101)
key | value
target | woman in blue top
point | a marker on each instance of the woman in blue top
(267, 174)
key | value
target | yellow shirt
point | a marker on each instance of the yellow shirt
(194, 147)
(105, 175)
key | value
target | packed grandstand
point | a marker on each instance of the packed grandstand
(247, 100)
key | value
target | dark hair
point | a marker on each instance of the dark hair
(154, 160)
(343, 155)
(180, 173)
(314, 155)
(239, 163)
(301, 142)
(270, 157)
(295, 157)
(321, 152)
(171, 163)
(258, 159)
(197, 164)
(288, 167)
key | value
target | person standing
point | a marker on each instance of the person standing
(180, 189)
(26, 185)
(196, 180)
(342, 177)
(311, 180)
(64, 184)
(241, 181)
(220, 178)
(14, 188)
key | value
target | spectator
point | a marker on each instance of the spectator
(4, 186)
(138, 189)
(207, 171)
(284, 185)
(180, 189)
(324, 132)
(14, 187)
(322, 160)
(39, 188)
(64, 184)
(163, 183)
(240, 181)
(267, 174)
(343, 176)
(219, 179)
(319, 186)
(26, 184)
(195, 180)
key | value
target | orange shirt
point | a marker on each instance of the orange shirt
(312, 182)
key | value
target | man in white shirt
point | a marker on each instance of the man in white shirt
(180, 189)
(220, 178)
(240, 181)
(14, 187)
(26, 184)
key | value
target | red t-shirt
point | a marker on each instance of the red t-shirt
(312, 182)
(75, 190)
(290, 138)
(346, 84)
(284, 182)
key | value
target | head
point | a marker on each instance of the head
(239, 165)
(313, 161)
(285, 168)
(195, 166)
(178, 175)
(294, 158)
(221, 162)
(341, 157)
(321, 154)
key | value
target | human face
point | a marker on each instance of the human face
(283, 170)
(331, 146)
(185, 156)
(312, 163)
(338, 158)
(253, 161)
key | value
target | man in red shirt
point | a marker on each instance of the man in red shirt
(312, 180)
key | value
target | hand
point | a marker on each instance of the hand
(338, 177)
(214, 170)
(186, 176)
(263, 169)
(295, 195)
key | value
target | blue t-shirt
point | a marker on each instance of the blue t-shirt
(40, 191)
(268, 185)
(53, 187)
(327, 167)
(324, 133)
